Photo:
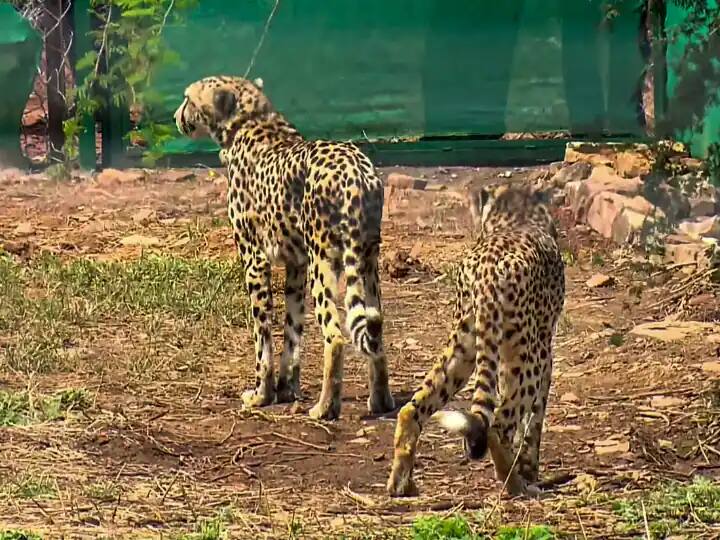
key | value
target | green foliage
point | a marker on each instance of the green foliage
(450, 528)
(15, 534)
(673, 507)
(22, 408)
(541, 532)
(457, 528)
(129, 49)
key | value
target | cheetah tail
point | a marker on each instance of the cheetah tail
(471, 426)
(364, 322)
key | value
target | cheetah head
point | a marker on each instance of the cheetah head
(498, 207)
(213, 105)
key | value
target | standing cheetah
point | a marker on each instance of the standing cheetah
(313, 205)
(510, 293)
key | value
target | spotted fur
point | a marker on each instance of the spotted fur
(311, 205)
(510, 293)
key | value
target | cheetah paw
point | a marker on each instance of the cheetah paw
(401, 485)
(329, 410)
(252, 398)
(288, 392)
(381, 402)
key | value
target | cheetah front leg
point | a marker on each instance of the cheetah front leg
(257, 280)
(288, 387)
(441, 383)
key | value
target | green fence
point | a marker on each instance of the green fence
(406, 78)
(690, 82)
(20, 48)
(400, 70)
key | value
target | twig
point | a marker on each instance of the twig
(172, 483)
(262, 39)
(299, 441)
(510, 473)
(645, 520)
(230, 434)
(582, 527)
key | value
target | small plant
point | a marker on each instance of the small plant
(450, 528)
(525, 533)
(673, 507)
(15, 534)
(28, 486)
(22, 408)
(103, 491)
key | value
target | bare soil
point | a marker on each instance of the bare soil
(180, 447)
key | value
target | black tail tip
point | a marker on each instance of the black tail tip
(476, 441)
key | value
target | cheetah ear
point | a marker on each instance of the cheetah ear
(259, 83)
(224, 104)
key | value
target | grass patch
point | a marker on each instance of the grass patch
(28, 486)
(103, 491)
(211, 529)
(49, 304)
(23, 408)
(15, 534)
(673, 507)
(458, 528)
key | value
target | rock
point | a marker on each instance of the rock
(574, 172)
(416, 250)
(628, 226)
(588, 153)
(395, 264)
(611, 446)
(599, 280)
(607, 206)
(670, 331)
(116, 176)
(11, 175)
(580, 194)
(702, 206)
(712, 366)
(701, 227)
(569, 397)
(174, 175)
(632, 164)
(663, 402)
(404, 181)
(678, 251)
(24, 229)
(144, 216)
(139, 240)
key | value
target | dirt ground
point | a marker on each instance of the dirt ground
(626, 413)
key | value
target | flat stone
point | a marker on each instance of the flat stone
(404, 181)
(697, 228)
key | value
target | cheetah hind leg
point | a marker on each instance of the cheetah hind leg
(478, 440)
(288, 385)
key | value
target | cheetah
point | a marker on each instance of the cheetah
(510, 292)
(313, 206)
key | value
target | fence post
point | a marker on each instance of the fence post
(659, 53)
(82, 43)
(54, 58)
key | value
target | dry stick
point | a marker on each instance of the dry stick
(172, 483)
(512, 469)
(645, 520)
(299, 441)
(582, 527)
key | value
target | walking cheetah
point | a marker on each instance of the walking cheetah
(307, 204)
(510, 292)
